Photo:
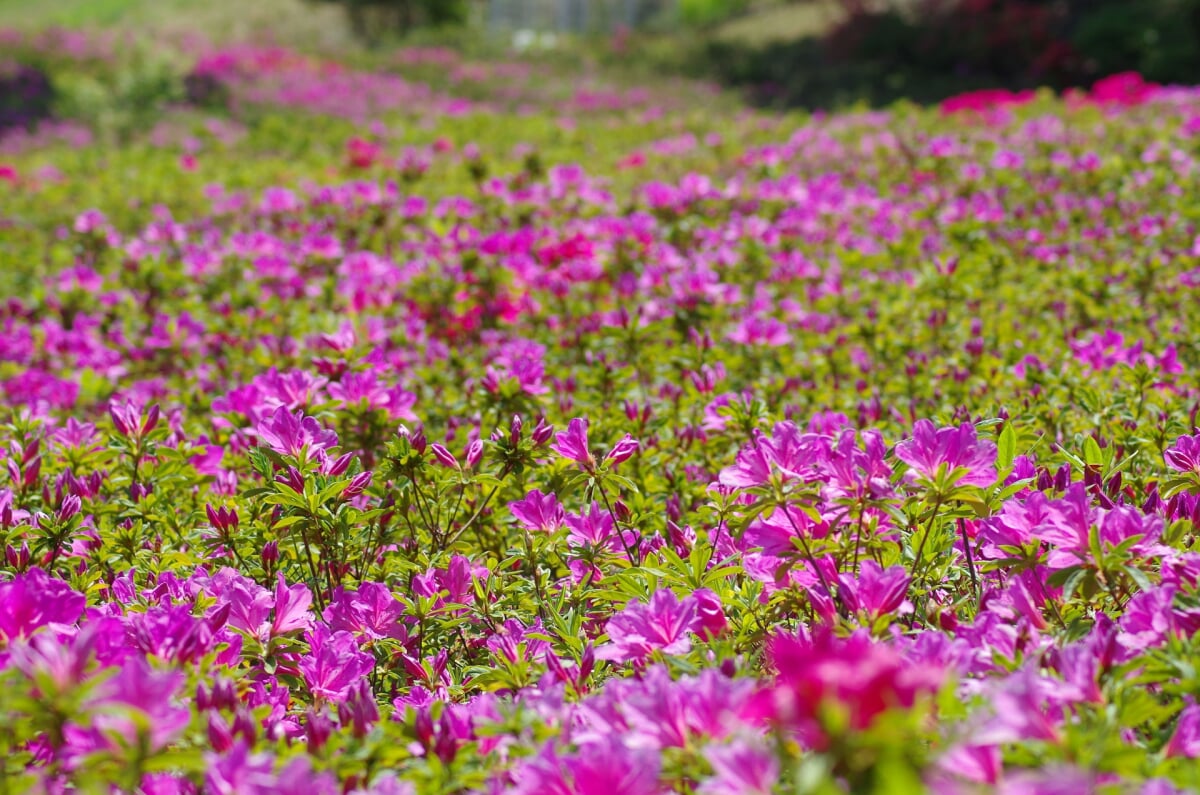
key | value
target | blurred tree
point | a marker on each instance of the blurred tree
(372, 19)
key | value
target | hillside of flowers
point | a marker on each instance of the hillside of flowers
(366, 435)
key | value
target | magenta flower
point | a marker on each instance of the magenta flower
(295, 435)
(291, 607)
(860, 676)
(593, 529)
(371, 613)
(877, 591)
(239, 772)
(334, 663)
(127, 419)
(444, 456)
(750, 468)
(662, 625)
(1184, 455)
(34, 600)
(610, 768)
(786, 452)
(712, 617)
(623, 450)
(148, 691)
(740, 768)
(538, 512)
(1185, 741)
(516, 642)
(573, 443)
(931, 448)
(977, 763)
(604, 767)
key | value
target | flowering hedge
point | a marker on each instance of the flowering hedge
(671, 454)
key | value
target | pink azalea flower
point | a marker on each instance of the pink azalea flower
(333, 664)
(876, 591)
(370, 613)
(34, 600)
(1185, 741)
(1184, 455)
(573, 443)
(955, 448)
(539, 512)
(740, 768)
(295, 435)
(662, 625)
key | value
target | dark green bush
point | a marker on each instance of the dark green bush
(26, 95)
(373, 19)
(936, 48)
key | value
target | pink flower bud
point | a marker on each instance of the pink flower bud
(151, 420)
(220, 736)
(474, 453)
(623, 450)
(444, 456)
(542, 432)
(712, 617)
(358, 484)
(338, 466)
(70, 507)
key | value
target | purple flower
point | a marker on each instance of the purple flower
(1185, 741)
(1184, 455)
(740, 768)
(591, 530)
(573, 443)
(877, 591)
(540, 512)
(371, 613)
(34, 600)
(514, 642)
(610, 768)
(295, 435)
(603, 767)
(662, 625)
(955, 448)
(148, 691)
(444, 456)
(357, 485)
(712, 616)
(623, 450)
(334, 663)
(127, 419)
(291, 607)
(239, 772)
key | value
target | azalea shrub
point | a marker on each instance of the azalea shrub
(426, 446)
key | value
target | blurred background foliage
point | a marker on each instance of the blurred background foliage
(787, 53)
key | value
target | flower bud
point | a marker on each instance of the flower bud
(317, 730)
(220, 736)
(542, 432)
(70, 507)
(623, 450)
(358, 484)
(444, 456)
(474, 453)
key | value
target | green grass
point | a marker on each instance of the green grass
(294, 22)
(777, 22)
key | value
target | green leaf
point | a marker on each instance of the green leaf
(1006, 448)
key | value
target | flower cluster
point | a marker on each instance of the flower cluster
(855, 453)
